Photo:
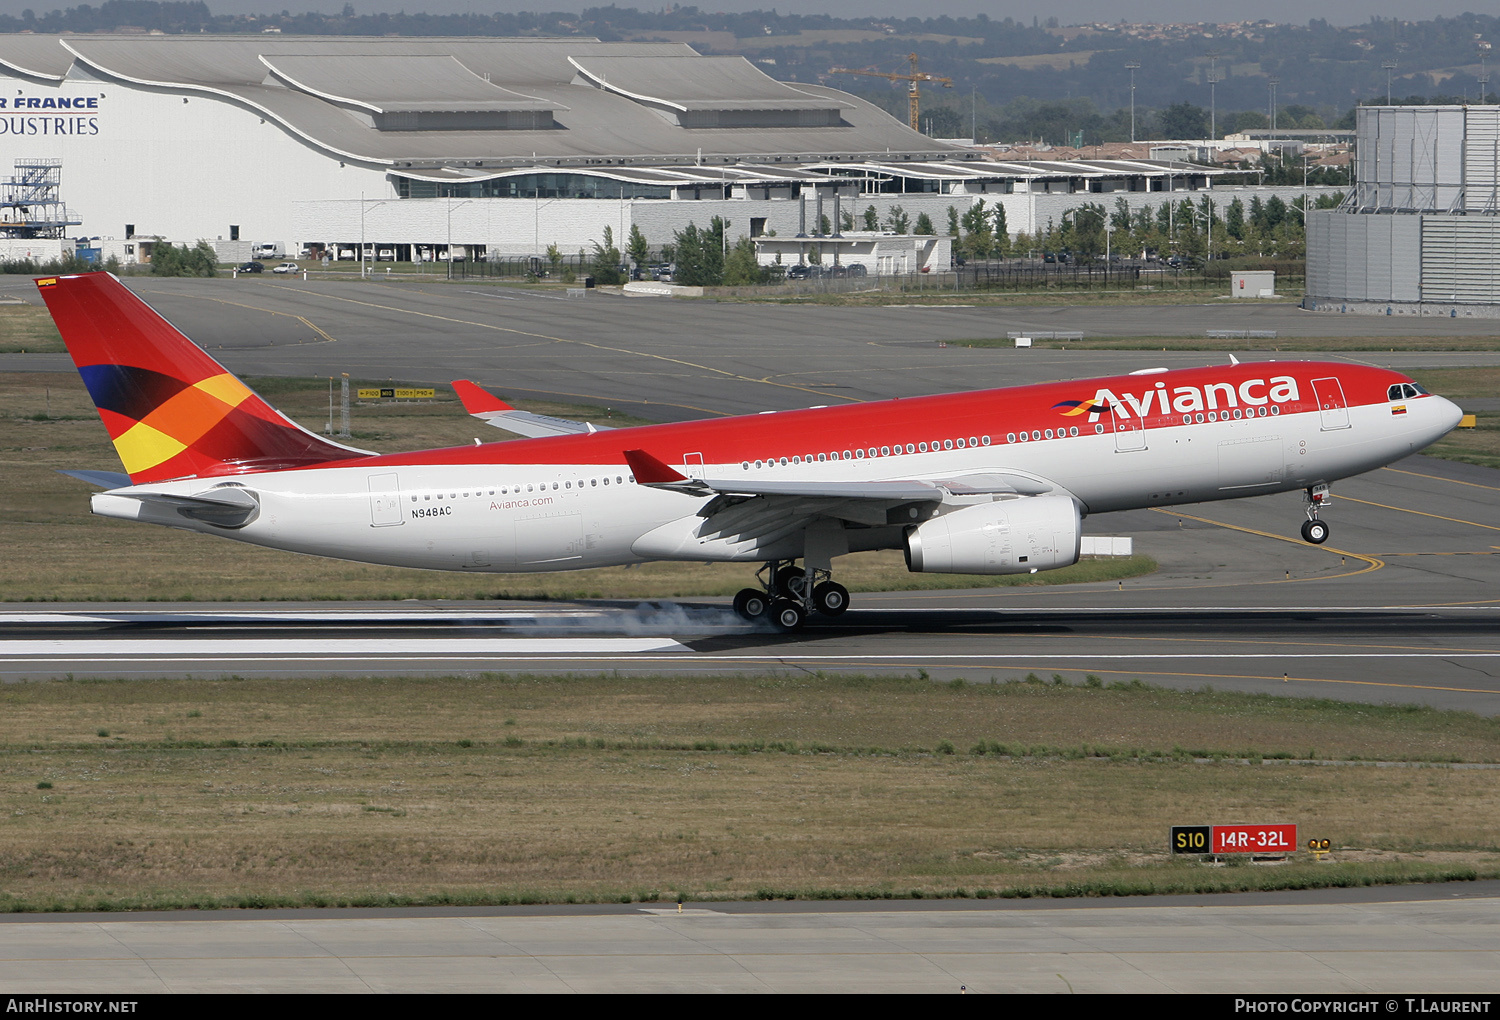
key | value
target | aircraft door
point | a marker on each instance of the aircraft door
(385, 501)
(1130, 435)
(1331, 406)
(694, 464)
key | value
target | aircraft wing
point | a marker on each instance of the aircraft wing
(491, 410)
(763, 508)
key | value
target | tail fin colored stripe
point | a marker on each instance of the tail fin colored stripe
(171, 410)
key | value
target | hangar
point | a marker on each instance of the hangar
(1419, 232)
(407, 148)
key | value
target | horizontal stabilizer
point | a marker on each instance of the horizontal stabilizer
(227, 507)
(102, 479)
(491, 410)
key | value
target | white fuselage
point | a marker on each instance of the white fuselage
(542, 517)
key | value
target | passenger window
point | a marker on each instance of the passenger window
(822, 457)
(1072, 432)
(910, 448)
(922, 447)
(960, 444)
(1048, 433)
(986, 439)
(1035, 434)
(872, 451)
(885, 451)
(1025, 437)
(947, 444)
(859, 454)
(1010, 437)
(846, 454)
(796, 460)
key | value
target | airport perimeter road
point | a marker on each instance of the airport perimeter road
(1402, 605)
(1434, 940)
(668, 359)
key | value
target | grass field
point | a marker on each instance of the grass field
(500, 789)
(26, 328)
(57, 551)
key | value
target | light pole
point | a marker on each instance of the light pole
(1132, 67)
(1271, 85)
(450, 231)
(1389, 65)
(1213, 82)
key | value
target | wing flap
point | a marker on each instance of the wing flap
(491, 410)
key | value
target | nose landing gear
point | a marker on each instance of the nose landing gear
(788, 596)
(1313, 529)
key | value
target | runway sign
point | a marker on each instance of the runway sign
(1233, 839)
(1190, 839)
(388, 393)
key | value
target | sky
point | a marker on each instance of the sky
(1340, 12)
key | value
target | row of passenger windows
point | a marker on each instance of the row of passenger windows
(972, 441)
(516, 490)
(873, 451)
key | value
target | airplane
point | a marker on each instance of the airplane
(992, 481)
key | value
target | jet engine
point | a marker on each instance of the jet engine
(1013, 536)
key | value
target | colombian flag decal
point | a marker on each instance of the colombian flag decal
(1399, 409)
(1077, 407)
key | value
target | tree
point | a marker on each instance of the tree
(846, 219)
(1234, 219)
(899, 221)
(742, 267)
(169, 260)
(638, 249)
(604, 263)
(872, 218)
(824, 226)
(924, 225)
(1184, 120)
(952, 222)
(700, 254)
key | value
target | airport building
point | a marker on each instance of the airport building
(405, 148)
(1420, 231)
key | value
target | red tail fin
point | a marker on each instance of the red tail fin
(172, 411)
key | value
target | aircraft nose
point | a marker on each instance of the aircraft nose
(1449, 414)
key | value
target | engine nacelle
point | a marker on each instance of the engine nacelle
(1012, 536)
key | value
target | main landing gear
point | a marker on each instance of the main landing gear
(790, 594)
(1313, 529)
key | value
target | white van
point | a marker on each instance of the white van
(267, 251)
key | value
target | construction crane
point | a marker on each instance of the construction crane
(913, 93)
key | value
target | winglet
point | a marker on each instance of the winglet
(650, 471)
(476, 399)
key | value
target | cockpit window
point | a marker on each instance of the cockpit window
(1394, 393)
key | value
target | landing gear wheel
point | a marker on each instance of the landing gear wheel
(830, 598)
(751, 603)
(790, 581)
(1315, 532)
(787, 616)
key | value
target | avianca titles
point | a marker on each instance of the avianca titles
(987, 482)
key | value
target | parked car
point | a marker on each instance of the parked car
(386, 255)
(287, 267)
(799, 272)
(860, 269)
(251, 267)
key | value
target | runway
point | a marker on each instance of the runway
(1400, 606)
(1397, 941)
